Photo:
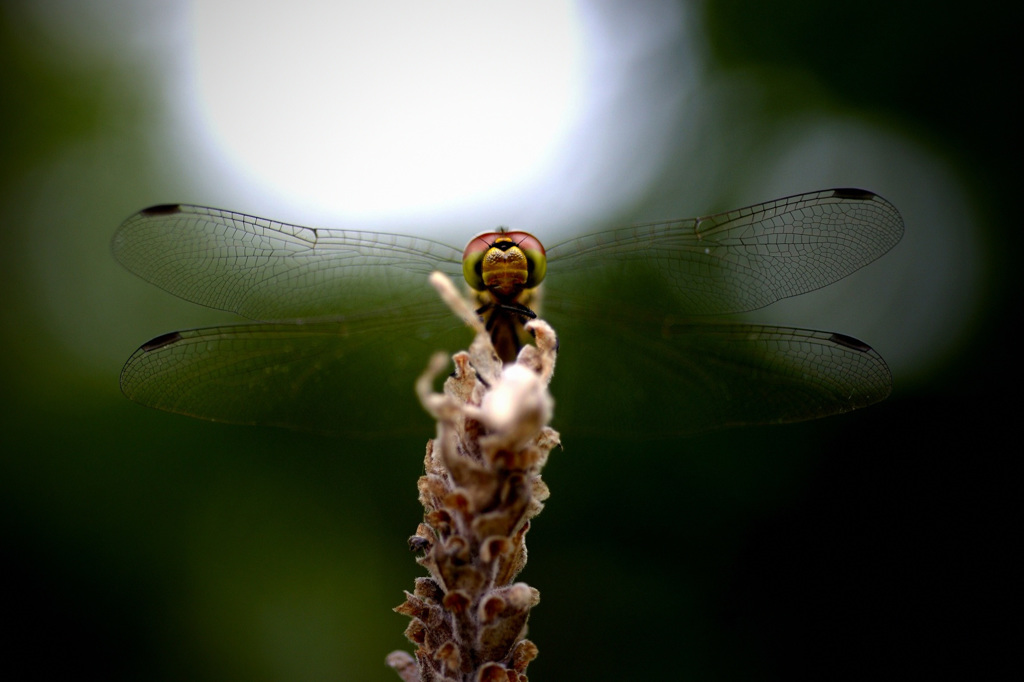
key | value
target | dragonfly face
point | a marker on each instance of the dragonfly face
(504, 263)
(332, 305)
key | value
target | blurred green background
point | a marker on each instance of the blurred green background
(140, 545)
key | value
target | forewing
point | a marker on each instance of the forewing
(735, 261)
(351, 377)
(686, 378)
(268, 270)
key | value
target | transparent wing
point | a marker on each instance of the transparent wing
(615, 299)
(739, 260)
(688, 378)
(352, 377)
(267, 270)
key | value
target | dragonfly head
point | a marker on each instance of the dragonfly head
(504, 263)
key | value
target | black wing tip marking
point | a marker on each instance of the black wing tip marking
(850, 342)
(161, 209)
(160, 341)
(853, 193)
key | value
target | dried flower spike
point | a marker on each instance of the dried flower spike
(480, 489)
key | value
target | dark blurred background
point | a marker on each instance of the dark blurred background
(141, 545)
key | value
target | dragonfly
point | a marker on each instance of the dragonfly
(340, 322)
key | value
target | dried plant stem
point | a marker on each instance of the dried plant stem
(480, 489)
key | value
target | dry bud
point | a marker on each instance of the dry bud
(480, 488)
